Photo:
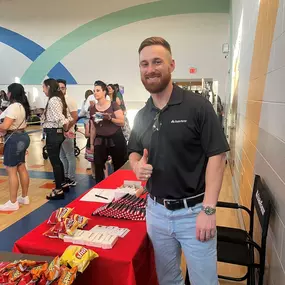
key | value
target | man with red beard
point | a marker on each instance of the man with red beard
(177, 145)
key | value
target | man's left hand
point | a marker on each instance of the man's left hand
(205, 226)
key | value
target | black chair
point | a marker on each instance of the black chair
(237, 246)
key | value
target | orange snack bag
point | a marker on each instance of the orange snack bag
(67, 276)
(15, 275)
(38, 271)
(78, 256)
(53, 271)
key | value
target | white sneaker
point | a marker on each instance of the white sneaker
(9, 206)
(23, 200)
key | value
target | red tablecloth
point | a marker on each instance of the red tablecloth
(129, 262)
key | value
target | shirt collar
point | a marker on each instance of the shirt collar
(176, 98)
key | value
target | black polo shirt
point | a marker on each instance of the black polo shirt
(180, 139)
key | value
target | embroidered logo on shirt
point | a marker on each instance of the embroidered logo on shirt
(178, 121)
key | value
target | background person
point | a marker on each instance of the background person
(17, 142)
(67, 148)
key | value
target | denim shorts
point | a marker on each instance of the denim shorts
(15, 149)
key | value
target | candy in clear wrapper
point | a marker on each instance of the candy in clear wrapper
(78, 256)
(67, 276)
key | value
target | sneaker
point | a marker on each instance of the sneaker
(72, 183)
(9, 206)
(23, 200)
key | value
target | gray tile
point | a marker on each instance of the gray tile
(275, 185)
(272, 119)
(276, 273)
(274, 89)
(273, 150)
(277, 231)
(279, 23)
(279, 55)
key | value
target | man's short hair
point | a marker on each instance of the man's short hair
(63, 81)
(153, 41)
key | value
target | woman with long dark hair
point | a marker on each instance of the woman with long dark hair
(16, 143)
(55, 123)
(116, 96)
(106, 135)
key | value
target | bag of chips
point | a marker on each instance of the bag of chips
(61, 229)
(67, 227)
(53, 271)
(67, 276)
(82, 221)
(15, 275)
(38, 271)
(78, 256)
(59, 215)
(27, 265)
(26, 279)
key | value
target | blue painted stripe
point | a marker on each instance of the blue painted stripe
(10, 235)
(32, 50)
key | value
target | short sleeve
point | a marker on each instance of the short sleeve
(12, 111)
(212, 137)
(135, 144)
(115, 106)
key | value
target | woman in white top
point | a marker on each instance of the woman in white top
(16, 143)
(55, 123)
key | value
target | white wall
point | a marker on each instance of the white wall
(196, 40)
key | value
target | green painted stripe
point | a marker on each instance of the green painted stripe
(57, 51)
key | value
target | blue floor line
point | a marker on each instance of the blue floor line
(41, 174)
(32, 220)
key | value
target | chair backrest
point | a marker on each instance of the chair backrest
(262, 204)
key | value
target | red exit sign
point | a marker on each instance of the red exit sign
(192, 70)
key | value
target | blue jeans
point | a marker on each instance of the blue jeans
(68, 158)
(170, 233)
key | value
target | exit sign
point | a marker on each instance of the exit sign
(192, 70)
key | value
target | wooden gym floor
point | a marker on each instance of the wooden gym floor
(14, 225)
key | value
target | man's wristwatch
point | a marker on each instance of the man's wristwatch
(209, 210)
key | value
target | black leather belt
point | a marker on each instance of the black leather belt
(53, 130)
(177, 204)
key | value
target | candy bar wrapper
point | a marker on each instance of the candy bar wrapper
(78, 256)
(67, 227)
(59, 215)
(82, 221)
(53, 271)
(67, 276)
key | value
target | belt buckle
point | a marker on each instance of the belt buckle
(59, 131)
(165, 203)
